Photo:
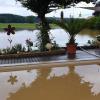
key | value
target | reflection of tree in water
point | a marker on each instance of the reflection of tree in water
(12, 79)
(56, 88)
(92, 33)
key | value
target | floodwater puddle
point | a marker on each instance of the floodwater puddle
(57, 83)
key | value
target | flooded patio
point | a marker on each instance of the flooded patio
(58, 83)
(50, 77)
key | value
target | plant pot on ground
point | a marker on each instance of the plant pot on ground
(71, 50)
(72, 27)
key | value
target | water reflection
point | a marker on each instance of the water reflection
(58, 83)
(90, 74)
(12, 79)
(57, 72)
(61, 37)
(23, 79)
(56, 88)
(91, 33)
(22, 35)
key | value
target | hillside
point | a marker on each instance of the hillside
(10, 18)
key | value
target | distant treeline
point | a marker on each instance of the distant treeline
(10, 18)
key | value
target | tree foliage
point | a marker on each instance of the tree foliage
(10, 18)
(41, 7)
(97, 13)
(94, 23)
(72, 27)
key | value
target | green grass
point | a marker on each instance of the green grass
(18, 25)
(30, 26)
(53, 26)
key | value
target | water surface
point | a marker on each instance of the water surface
(58, 83)
(58, 35)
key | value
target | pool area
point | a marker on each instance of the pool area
(80, 82)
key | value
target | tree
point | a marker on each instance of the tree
(41, 7)
(97, 13)
(72, 27)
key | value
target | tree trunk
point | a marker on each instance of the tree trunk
(44, 33)
(72, 40)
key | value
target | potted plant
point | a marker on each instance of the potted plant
(72, 26)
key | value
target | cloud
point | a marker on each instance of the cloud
(84, 4)
(15, 10)
(13, 7)
(74, 11)
(71, 12)
(8, 3)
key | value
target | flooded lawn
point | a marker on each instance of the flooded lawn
(57, 83)
(58, 35)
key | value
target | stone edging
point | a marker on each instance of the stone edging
(49, 64)
(33, 54)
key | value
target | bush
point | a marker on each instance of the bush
(98, 38)
(94, 43)
(15, 49)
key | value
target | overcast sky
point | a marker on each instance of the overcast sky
(13, 7)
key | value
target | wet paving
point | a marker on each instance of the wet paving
(69, 82)
(80, 55)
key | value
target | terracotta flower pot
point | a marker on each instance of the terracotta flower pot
(71, 50)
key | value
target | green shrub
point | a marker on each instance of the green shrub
(14, 50)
